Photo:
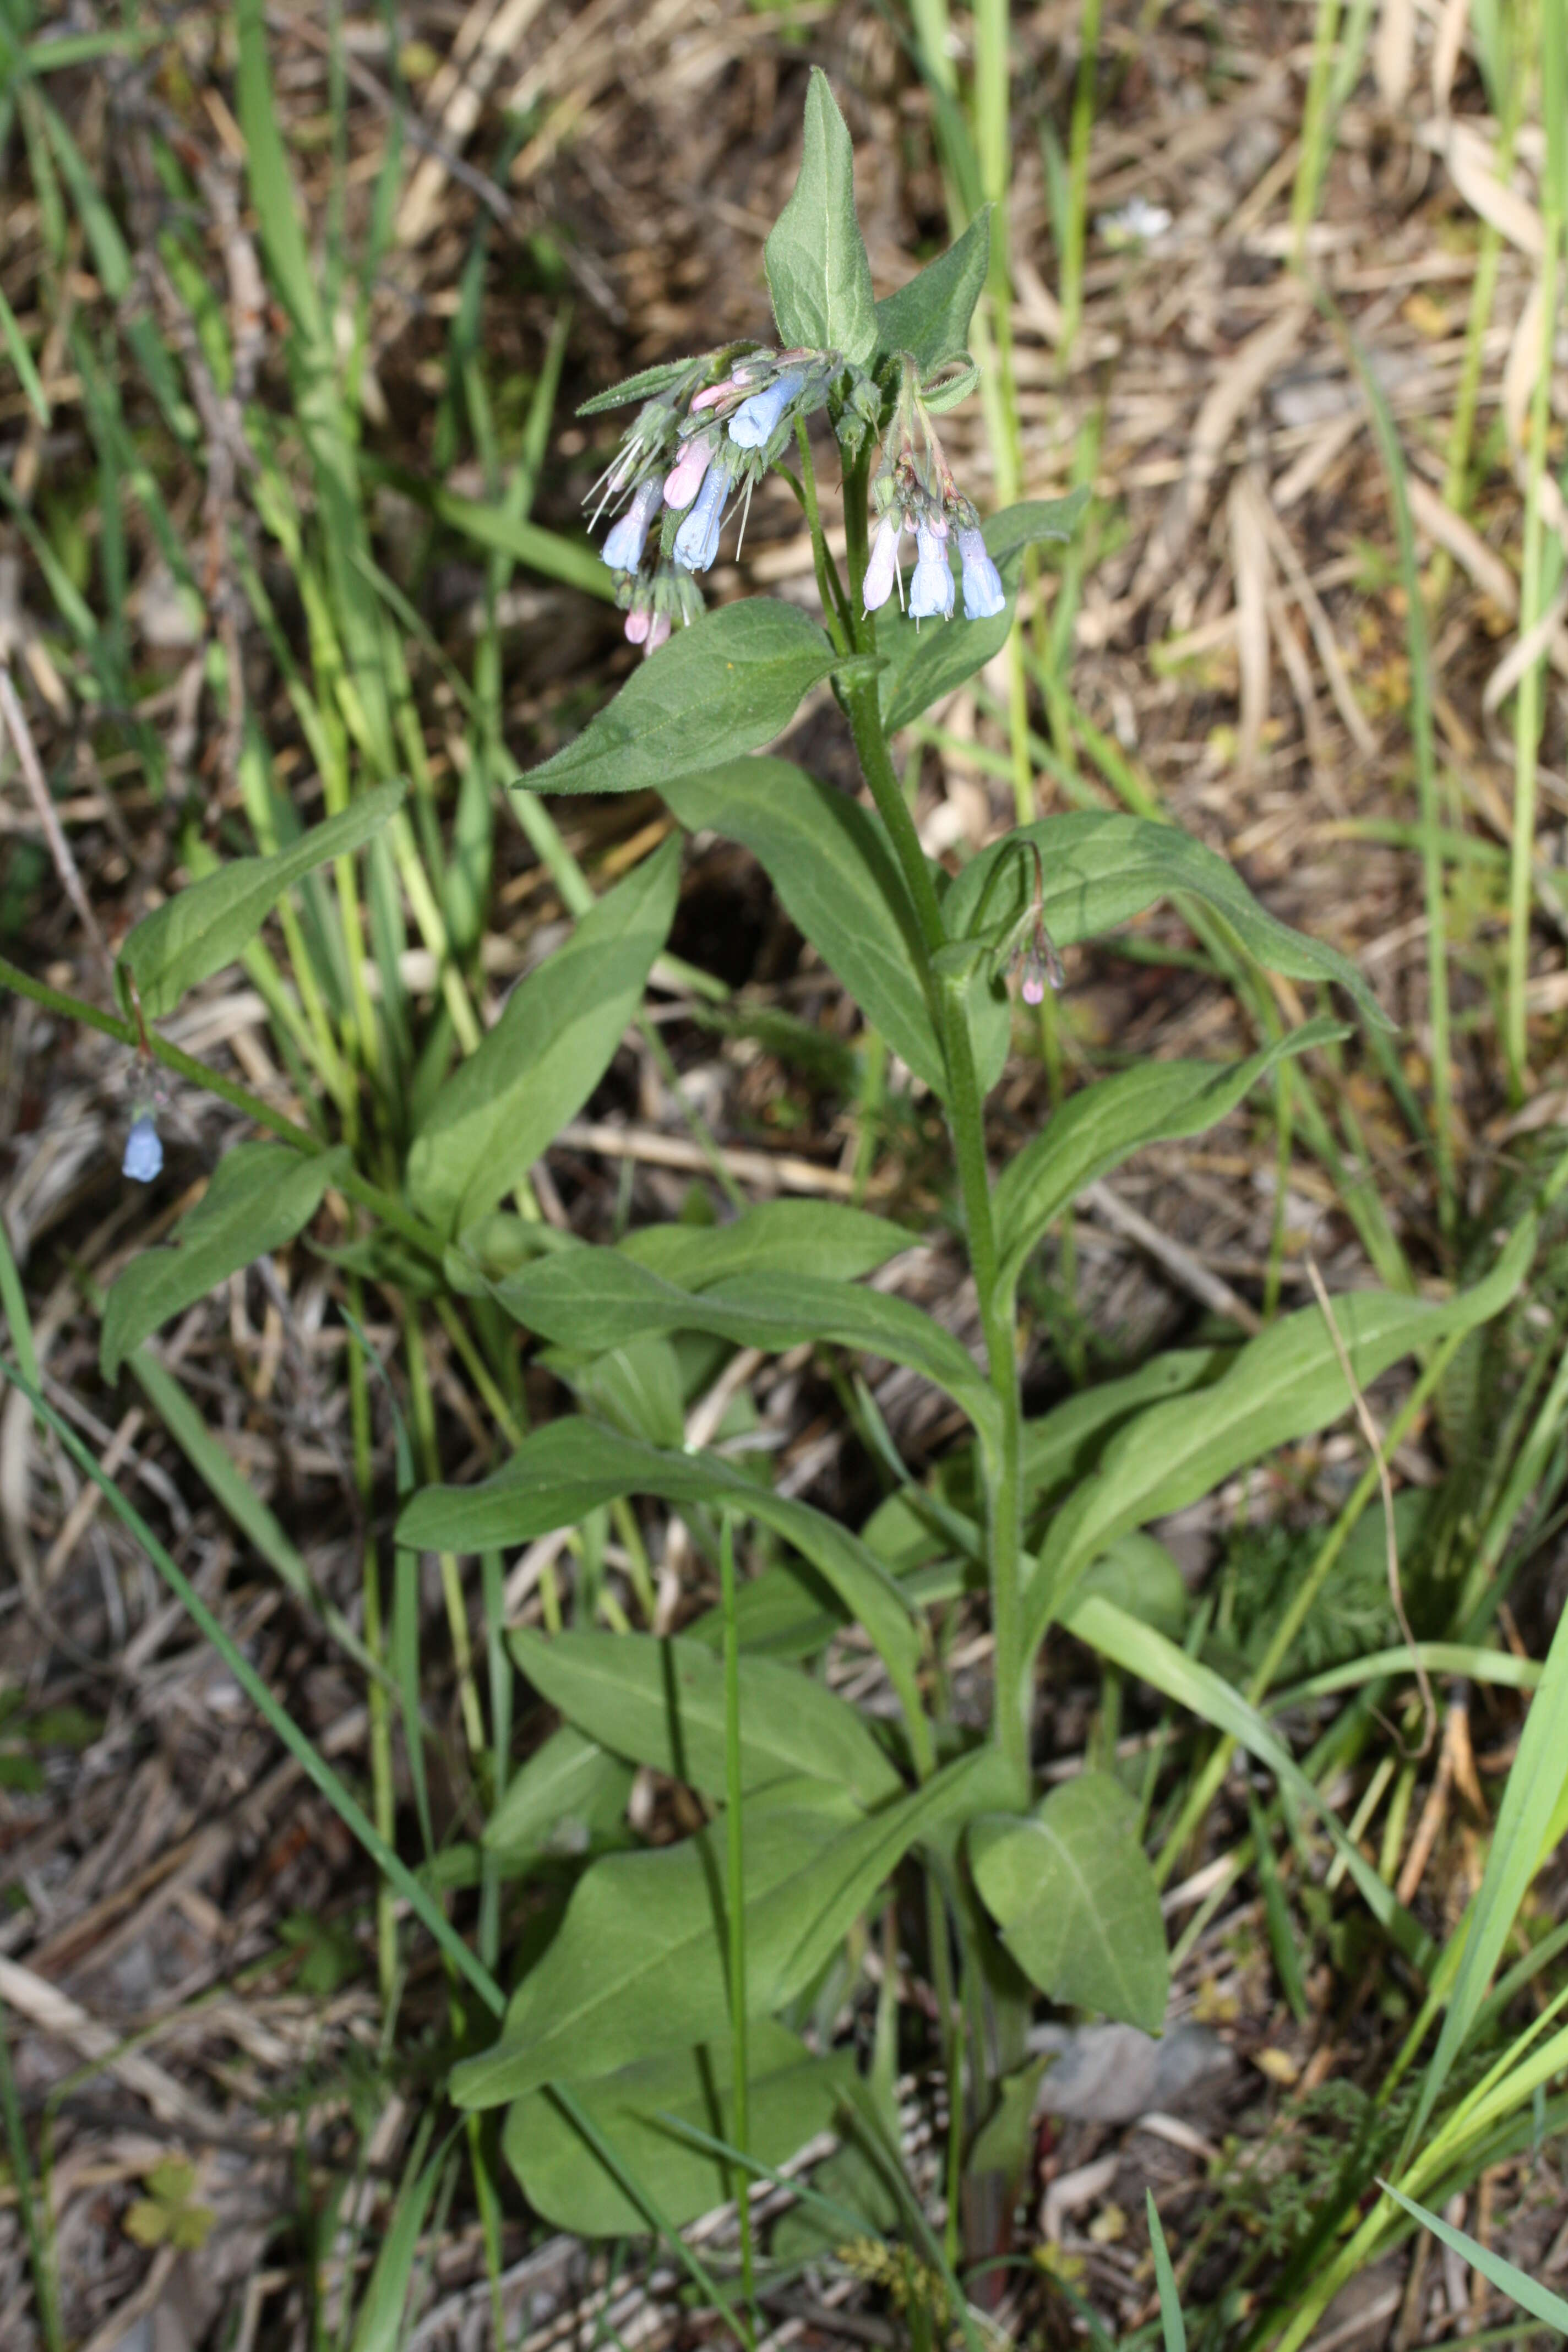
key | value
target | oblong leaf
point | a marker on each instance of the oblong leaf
(561, 1471)
(1279, 1387)
(791, 2096)
(211, 922)
(827, 1238)
(730, 682)
(829, 861)
(818, 275)
(1071, 1890)
(662, 1702)
(499, 1109)
(590, 1299)
(1097, 1128)
(1101, 871)
(260, 1197)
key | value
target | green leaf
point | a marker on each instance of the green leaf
(590, 1298)
(636, 1387)
(1101, 871)
(1536, 1788)
(561, 1471)
(567, 1796)
(818, 275)
(197, 931)
(260, 1196)
(1139, 1650)
(829, 861)
(1072, 1891)
(1063, 1444)
(929, 318)
(821, 1237)
(500, 1109)
(1281, 1386)
(1141, 1576)
(381, 2319)
(927, 659)
(638, 1965)
(1172, 2326)
(662, 1702)
(791, 2096)
(730, 682)
(1104, 1124)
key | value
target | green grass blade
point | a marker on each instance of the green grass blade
(1171, 2321)
(22, 361)
(1528, 2293)
(314, 1766)
(38, 2254)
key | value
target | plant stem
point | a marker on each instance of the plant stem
(1528, 704)
(736, 1904)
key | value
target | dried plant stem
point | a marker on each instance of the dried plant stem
(38, 792)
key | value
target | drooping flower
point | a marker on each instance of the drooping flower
(983, 595)
(882, 570)
(622, 548)
(931, 589)
(637, 622)
(716, 393)
(143, 1161)
(685, 477)
(658, 632)
(697, 540)
(755, 421)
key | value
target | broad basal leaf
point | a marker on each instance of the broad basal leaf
(829, 861)
(1072, 1891)
(260, 1197)
(500, 1109)
(727, 684)
(791, 2096)
(818, 275)
(1101, 871)
(197, 931)
(1063, 1444)
(926, 659)
(662, 1702)
(638, 1965)
(1104, 1124)
(930, 316)
(1279, 1387)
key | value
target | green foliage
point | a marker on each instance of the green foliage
(497, 1112)
(1075, 1898)
(168, 2215)
(792, 2097)
(261, 1195)
(928, 317)
(925, 661)
(211, 923)
(731, 681)
(818, 275)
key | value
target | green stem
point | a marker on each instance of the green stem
(836, 611)
(355, 1187)
(736, 1904)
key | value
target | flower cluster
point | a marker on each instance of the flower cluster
(914, 490)
(694, 450)
(714, 425)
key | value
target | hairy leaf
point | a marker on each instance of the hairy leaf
(829, 861)
(827, 1238)
(662, 1702)
(500, 1110)
(726, 685)
(818, 275)
(567, 1796)
(791, 2096)
(928, 317)
(212, 921)
(1072, 1891)
(1104, 1124)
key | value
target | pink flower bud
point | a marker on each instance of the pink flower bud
(657, 633)
(685, 477)
(637, 628)
(714, 395)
